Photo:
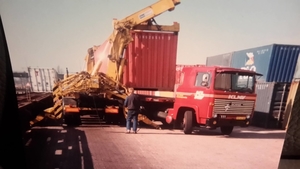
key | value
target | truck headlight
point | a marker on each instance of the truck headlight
(248, 117)
(215, 116)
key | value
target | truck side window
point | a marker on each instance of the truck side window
(202, 79)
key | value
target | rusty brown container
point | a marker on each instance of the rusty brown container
(151, 61)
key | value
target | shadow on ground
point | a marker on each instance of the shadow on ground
(239, 132)
(63, 148)
(242, 133)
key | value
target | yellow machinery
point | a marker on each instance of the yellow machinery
(91, 81)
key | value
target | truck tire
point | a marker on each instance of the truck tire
(226, 130)
(72, 120)
(67, 120)
(188, 122)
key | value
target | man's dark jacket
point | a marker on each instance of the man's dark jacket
(132, 102)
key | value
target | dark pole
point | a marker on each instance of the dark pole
(12, 154)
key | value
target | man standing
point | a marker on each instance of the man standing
(133, 104)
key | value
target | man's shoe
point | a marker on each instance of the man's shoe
(134, 132)
(127, 131)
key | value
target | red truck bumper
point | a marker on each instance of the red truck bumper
(218, 122)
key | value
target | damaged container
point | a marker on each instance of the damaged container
(42, 79)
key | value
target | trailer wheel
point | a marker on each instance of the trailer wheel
(72, 120)
(188, 122)
(226, 130)
(67, 119)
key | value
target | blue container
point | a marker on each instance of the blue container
(276, 62)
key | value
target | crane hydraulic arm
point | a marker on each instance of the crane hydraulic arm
(121, 36)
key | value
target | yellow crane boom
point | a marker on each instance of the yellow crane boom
(121, 36)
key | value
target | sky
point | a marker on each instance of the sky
(57, 33)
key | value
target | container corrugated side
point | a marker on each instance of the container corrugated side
(280, 95)
(264, 95)
(271, 103)
(283, 63)
(255, 59)
(151, 61)
(277, 62)
(219, 60)
(42, 79)
(264, 92)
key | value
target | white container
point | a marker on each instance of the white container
(42, 79)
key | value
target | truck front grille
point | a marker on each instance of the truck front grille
(229, 106)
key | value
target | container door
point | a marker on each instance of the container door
(33, 80)
(47, 79)
(53, 78)
(264, 93)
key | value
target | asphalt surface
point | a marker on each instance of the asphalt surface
(101, 146)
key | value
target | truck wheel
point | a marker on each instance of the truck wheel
(226, 130)
(188, 122)
(77, 119)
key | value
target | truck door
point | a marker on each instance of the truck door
(202, 88)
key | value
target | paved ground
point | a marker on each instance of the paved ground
(107, 146)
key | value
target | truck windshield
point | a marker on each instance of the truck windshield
(234, 82)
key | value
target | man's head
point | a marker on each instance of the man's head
(130, 90)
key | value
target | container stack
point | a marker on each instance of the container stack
(279, 65)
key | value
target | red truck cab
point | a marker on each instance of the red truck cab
(213, 97)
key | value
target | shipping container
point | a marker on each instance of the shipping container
(270, 104)
(42, 79)
(151, 61)
(276, 62)
(219, 60)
